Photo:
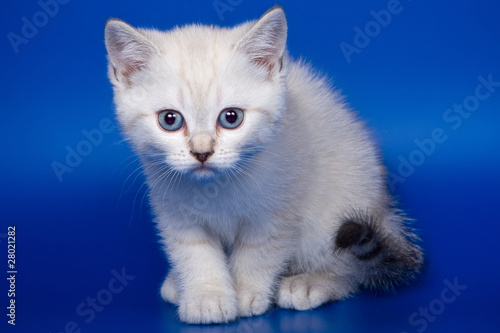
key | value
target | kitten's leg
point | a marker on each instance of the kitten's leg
(206, 294)
(255, 267)
(310, 290)
(169, 290)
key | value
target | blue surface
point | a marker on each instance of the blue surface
(75, 234)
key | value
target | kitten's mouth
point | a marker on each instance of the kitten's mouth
(203, 172)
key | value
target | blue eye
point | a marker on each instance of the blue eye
(231, 118)
(170, 120)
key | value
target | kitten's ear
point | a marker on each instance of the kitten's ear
(266, 40)
(129, 51)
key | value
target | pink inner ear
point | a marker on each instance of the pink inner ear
(131, 57)
(268, 62)
(264, 58)
(130, 65)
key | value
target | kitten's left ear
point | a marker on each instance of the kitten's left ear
(266, 40)
(129, 51)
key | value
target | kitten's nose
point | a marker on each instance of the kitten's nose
(202, 157)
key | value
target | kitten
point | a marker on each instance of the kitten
(265, 187)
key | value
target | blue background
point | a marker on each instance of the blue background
(71, 234)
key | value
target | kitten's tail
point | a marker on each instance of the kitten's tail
(385, 248)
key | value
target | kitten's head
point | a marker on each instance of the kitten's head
(202, 100)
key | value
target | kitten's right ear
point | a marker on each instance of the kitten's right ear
(129, 51)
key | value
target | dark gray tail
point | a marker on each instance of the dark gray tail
(385, 249)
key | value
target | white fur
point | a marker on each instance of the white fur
(232, 230)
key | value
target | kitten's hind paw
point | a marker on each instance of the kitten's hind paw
(208, 307)
(304, 291)
(252, 303)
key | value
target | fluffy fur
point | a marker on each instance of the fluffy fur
(291, 207)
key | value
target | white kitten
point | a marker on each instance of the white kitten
(265, 186)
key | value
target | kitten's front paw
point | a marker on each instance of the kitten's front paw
(169, 291)
(208, 307)
(251, 303)
(303, 292)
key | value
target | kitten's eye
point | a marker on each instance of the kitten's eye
(231, 118)
(170, 120)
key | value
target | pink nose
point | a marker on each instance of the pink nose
(202, 157)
